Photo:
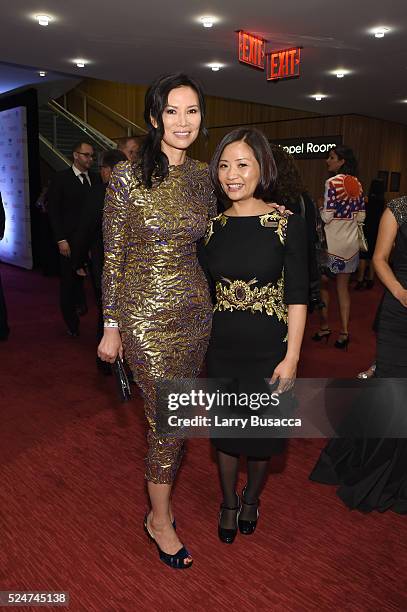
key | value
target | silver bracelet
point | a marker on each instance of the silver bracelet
(111, 324)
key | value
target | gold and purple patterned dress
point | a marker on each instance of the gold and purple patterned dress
(154, 287)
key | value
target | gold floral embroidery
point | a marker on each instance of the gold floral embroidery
(209, 230)
(239, 295)
(281, 220)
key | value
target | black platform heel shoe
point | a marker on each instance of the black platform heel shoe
(322, 334)
(248, 527)
(343, 344)
(227, 536)
(175, 561)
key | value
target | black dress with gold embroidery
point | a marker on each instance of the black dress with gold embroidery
(258, 266)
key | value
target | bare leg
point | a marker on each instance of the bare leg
(342, 288)
(325, 299)
(159, 519)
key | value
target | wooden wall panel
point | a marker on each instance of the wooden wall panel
(378, 145)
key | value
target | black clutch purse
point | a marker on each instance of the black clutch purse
(122, 381)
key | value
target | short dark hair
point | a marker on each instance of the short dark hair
(112, 157)
(124, 140)
(351, 164)
(77, 145)
(263, 154)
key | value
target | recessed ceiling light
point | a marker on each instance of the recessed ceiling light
(207, 21)
(380, 32)
(81, 63)
(215, 67)
(43, 20)
(42, 73)
(318, 97)
(340, 75)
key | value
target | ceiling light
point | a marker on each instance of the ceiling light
(215, 67)
(42, 73)
(43, 20)
(80, 63)
(340, 75)
(207, 22)
(318, 97)
(380, 32)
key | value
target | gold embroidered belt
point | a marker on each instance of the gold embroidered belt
(241, 295)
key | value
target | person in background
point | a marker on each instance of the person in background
(87, 244)
(155, 296)
(290, 192)
(49, 250)
(130, 146)
(371, 471)
(374, 209)
(342, 210)
(66, 196)
(4, 328)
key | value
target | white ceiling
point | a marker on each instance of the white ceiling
(134, 41)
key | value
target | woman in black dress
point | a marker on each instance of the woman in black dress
(372, 472)
(257, 260)
(374, 210)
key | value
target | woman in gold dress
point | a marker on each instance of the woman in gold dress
(157, 307)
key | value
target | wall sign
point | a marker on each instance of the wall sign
(281, 64)
(309, 148)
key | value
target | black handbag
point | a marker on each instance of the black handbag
(122, 380)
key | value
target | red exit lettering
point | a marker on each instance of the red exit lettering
(251, 49)
(283, 64)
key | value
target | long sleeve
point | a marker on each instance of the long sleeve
(296, 283)
(329, 208)
(2, 219)
(54, 208)
(115, 238)
(87, 227)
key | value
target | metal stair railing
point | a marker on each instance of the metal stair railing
(100, 139)
(133, 129)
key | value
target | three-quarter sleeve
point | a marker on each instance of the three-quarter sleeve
(296, 276)
(115, 240)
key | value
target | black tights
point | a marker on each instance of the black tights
(256, 476)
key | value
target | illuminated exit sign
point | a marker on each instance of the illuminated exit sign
(252, 49)
(281, 64)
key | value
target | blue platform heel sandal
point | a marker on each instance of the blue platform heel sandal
(176, 561)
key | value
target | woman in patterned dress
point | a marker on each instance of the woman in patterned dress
(343, 209)
(157, 307)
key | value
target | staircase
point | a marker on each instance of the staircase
(60, 130)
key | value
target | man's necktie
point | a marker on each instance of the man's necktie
(85, 181)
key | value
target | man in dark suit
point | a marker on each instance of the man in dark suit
(87, 244)
(66, 196)
(4, 328)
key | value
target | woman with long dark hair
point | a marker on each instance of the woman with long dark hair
(343, 209)
(257, 259)
(157, 307)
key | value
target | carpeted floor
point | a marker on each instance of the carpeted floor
(72, 495)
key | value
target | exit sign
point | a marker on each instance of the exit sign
(281, 64)
(284, 64)
(252, 49)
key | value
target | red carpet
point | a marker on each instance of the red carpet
(72, 493)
